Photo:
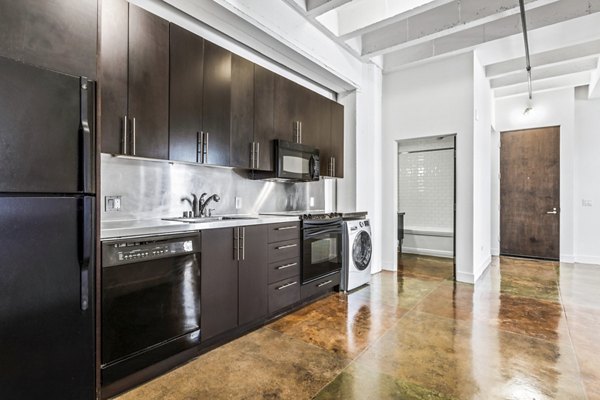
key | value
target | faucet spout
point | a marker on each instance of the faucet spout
(203, 204)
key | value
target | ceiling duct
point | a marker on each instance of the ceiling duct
(526, 40)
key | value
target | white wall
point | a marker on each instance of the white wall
(435, 99)
(549, 109)
(482, 254)
(587, 182)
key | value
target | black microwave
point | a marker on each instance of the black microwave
(294, 162)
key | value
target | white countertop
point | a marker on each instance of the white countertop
(157, 226)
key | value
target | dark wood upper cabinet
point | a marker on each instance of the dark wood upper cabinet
(264, 130)
(287, 107)
(242, 112)
(337, 139)
(219, 287)
(187, 77)
(217, 104)
(60, 35)
(253, 280)
(134, 81)
(113, 74)
(148, 84)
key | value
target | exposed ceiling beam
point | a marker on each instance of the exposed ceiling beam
(594, 88)
(544, 85)
(318, 7)
(563, 55)
(392, 20)
(469, 39)
(546, 72)
(451, 18)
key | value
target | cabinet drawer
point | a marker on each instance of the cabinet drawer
(284, 269)
(320, 286)
(284, 250)
(284, 231)
(284, 293)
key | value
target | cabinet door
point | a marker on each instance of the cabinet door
(217, 103)
(264, 131)
(242, 111)
(187, 74)
(286, 108)
(219, 294)
(113, 74)
(60, 35)
(253, 300)
(337, 138)
(148, 84)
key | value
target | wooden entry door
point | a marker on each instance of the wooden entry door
(530, 193)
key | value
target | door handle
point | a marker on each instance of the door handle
(287, 246)
(236, 244)
(87, 155)
(554, 211)
(257, 158)
(324, 283)
(287, 285)
(199, 147)
(286, 266)
(133, 136)
(124, 136)
(285, 228)
(86, 245)
(243, 245)
(205, 150)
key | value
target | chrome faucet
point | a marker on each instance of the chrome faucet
(199, 204)
(203, 203)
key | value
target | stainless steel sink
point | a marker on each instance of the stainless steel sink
(198, 220)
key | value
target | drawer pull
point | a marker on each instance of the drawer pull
(324, 283)
(287, 246)
(285, 228)
(287, 285)
(286, 266)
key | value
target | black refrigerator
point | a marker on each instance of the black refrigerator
(47, 234)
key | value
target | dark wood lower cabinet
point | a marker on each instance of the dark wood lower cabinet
(219, 286)
(252, 287)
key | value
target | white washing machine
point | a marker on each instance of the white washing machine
(357, 247)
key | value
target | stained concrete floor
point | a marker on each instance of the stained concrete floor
(529, 330)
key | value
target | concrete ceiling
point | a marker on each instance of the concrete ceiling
(564, 36)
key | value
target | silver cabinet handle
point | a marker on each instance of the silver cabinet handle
(252, 151)
(243, 245)
(554, 211)
(133, 137)
(124, 135)
(284, 228)
(287, 246)
(205, 155)
(286, 266)
(324, 283)
(199, 147)
(236, 242)
(257, 158)
(332, 166)
(287, 285)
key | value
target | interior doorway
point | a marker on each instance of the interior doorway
(530, 193)
(426, 206)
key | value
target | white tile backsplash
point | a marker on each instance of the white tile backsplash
(426, 188)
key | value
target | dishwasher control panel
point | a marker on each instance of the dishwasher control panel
(143, 249)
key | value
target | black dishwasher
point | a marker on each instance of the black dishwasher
(150, 301)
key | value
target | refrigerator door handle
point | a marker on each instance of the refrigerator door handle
(86, 244)
(86, 154)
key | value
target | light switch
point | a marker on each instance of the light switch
(238, 203)
(311, 202)
(112, 203)
(586, 203)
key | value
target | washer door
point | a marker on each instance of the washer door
(361, 251)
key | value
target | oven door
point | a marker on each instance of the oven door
(148, 303)
(322, 252)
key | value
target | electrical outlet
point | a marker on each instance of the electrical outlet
(311, 202)
(238, 203)
(112, 203)
(586, 203)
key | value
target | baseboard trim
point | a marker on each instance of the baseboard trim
(389, 266)
(567, 258)
(587, 259)
(484, 267)
(428, 252)
(465, 277)
(496, 252)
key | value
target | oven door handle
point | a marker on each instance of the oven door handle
(318, 232)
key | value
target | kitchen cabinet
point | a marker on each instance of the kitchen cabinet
(337, 140)
(234, 278)
(219, 282)
(54, 34)
(287, 108)
(242, 113)
(216, 104)
(185, 93)
(134, 92)
(264, 130)
(253, 305)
